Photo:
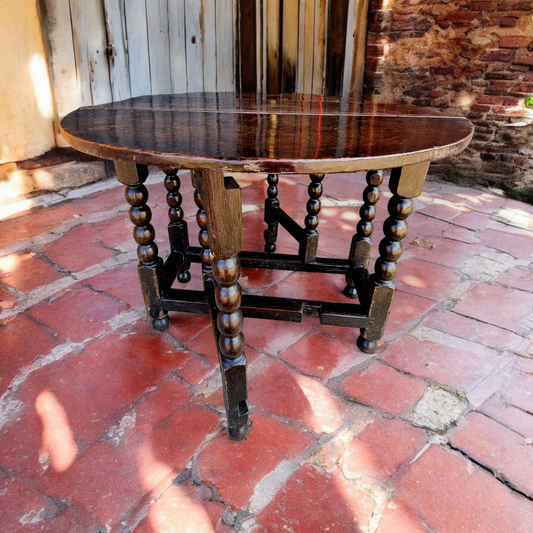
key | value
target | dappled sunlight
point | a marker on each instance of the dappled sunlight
(20, 182)
(414, 281)
(516, 216)
(356, 459)
(174, 512)
(9, 263)
(323, 415)
(483, 198)
(58, 446)
(151, 471)
(41, 85)
(349, 215)
(450, 204)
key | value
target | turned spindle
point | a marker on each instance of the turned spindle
(203, 236)
(150, 265)
(271, 204)
(361, 246)
(177, 227)
(390, 250)
(228, 296)
(390, 247)
(309, 244)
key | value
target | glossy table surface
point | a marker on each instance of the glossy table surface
(259, 133)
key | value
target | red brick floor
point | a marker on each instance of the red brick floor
(109, 426)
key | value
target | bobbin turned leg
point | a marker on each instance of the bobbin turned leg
(271, 205)
(405, 183)
(221, 198)
(362, 242)
(177, 227)
(309, 245)
(150, 265)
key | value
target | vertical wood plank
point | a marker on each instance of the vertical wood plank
(247, 46)
(319, 61)
(301, 47)
(225, 45)
(306, 66)
(194, 45)
(67, 93)
(77, 13)
(264, 54)
(177, 46)
(139, 59)
(349, 51)
(208, 29)
(289, 46)
(358, 63)
(273, 45)
(159, 46)
(115, 21)
(336, 46)
(97, 52)
(258, 44)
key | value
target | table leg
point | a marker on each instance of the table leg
(150, 266)
(362, 242)
(405, 183)
(177, 227)
(221, 198)
(309, 244)
(271, 204)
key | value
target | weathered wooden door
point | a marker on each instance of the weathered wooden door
(103, 50)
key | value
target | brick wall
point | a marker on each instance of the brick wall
(470, 58)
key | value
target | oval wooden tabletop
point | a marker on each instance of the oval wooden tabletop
(258, 133)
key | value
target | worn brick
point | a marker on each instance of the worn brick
(384, 388)
(269, 443)
(92, 312)
(477, 502)
(513, 41)
(381, 449)
(313, 500)
(498, 448)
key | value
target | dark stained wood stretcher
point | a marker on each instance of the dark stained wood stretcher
(214, 134)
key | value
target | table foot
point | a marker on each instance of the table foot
(161, 323)
(350, 292)
(271, 204)
(238, 434)
(367, 346)
(184, 277)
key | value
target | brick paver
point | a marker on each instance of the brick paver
(107, 425)
(385, 388)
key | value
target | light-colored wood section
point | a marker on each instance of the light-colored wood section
(359, 49)
(289, 40)
(158, 46)
(139, 59)
(209, 48)
(194, 42)
(305, 69)
(127, 173)
(221, 198)
(115, 22)
(96, 43)
(408, 181)
(178, 52)
(225, 37)
(319, 61)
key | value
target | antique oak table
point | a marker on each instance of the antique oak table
(212, 134)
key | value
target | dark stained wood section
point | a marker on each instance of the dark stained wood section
(255, 133)
(336, 46)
